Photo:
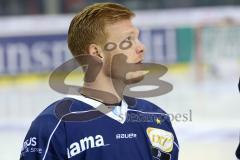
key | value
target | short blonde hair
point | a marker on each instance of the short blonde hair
(88, 26)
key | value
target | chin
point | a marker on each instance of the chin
(134, 80)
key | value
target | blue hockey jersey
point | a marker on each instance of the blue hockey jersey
(72, 128)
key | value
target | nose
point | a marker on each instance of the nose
(140, 48)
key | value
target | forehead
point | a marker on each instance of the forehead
(120, 28)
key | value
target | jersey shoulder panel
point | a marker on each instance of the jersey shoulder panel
(47, 134)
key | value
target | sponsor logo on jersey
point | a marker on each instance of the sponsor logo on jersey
(126, 136)
(161, 139)
(158, 121)
(30, 142)
(84, 144)
(30, 145)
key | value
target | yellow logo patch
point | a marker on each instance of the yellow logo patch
(158, 121)
(161, 139)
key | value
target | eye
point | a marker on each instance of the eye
(129, 38)
(125, 44)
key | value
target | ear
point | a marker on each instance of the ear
(95, 50)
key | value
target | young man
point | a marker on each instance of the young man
(123, 127)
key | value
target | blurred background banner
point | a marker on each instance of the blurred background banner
(197, 40)
(32, 54)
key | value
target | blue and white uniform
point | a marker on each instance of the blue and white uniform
(136, 129)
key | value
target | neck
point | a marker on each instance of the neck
(104, 89)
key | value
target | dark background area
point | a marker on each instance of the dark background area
(23, 7)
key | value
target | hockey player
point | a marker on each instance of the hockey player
(131, 128)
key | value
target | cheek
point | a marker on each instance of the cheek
(107, 64)
(131, 57)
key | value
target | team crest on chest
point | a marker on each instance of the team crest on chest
(160, 139)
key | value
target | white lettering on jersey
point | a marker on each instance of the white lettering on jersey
(126, 136)
(84, 144)
(30, 145)
(30, 142)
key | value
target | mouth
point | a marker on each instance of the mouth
(139, 62)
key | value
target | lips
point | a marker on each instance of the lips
(139, 62)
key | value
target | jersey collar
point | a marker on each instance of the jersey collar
(118, 113)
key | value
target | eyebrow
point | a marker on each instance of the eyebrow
(135, 30)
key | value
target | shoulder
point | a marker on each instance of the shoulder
(52, 115)
(47, 131)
